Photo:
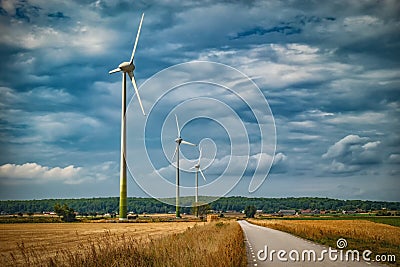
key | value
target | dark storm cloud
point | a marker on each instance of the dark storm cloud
(22, 10)
(286, 28)
(329, 72)
(58, 15)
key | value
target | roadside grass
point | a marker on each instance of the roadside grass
(380, 238)
(214, 244)
(30, 219)
(390, 220)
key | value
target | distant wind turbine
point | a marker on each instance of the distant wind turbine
(198, 169)
(126, 67)
(178, 141)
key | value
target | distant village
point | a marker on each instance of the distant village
(225, 206)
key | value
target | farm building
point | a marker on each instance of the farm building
(287, 212)
(212, 217)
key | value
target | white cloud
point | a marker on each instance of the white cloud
(303, 137)
(38, 174)
(11, 97)
(55, 126)
(369, 117)
(50, 127)
(319, 113)
(352, 153)
(371, 145)
(9, 6)
(82, 34)
(279, 158)
(339, 167)
(280, 66)
(394, 158)
(303, 124)
(362, 25)
(344, 146)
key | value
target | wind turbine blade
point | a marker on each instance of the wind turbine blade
(202, 174)
(177, 126)
(136, 90)
(173, 156)
(198, 162)
(187, 143)
(194, 167)
(114, 70)
(137, 39)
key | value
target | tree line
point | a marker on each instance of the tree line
(91, 206)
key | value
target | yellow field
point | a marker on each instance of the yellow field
(123, 244)
(360, 234)
(48, 238)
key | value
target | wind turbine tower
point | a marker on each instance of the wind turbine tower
(178, 141)
(197, 167)
(126, 68)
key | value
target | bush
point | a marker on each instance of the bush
(250, 211)
(66, 213)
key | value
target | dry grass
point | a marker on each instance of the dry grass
(360, 234)
(45, 239)
(219, 244)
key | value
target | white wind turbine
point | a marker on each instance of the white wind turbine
(126, 67)
(178, 141)
(198, 169)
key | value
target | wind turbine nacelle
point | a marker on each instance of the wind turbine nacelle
(126, 66)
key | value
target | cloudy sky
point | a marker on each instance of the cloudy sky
(330, 74)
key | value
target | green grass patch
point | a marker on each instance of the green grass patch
(395, 221)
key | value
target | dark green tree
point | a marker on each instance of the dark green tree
(201, 209)
(66, 213)
(250, 211)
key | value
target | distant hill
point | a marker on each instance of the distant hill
(150, 205)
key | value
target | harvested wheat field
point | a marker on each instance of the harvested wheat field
(45, 239)
(123, 244)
